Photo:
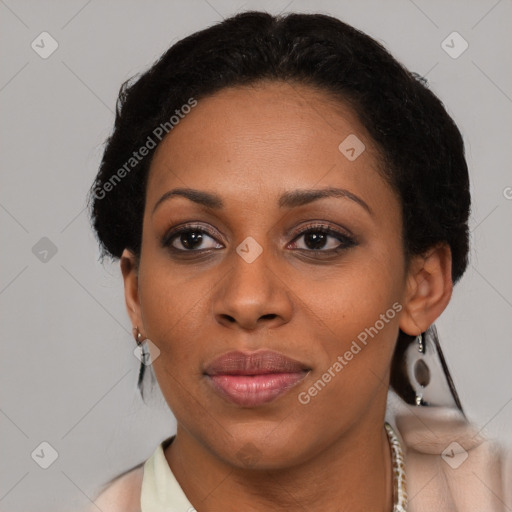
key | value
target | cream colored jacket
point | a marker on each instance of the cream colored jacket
(450, 467)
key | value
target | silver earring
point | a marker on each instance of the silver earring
(421, 347)
(145, 359)
(137, 335)
(421, 371)
(144, 352)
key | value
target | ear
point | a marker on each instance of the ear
(129, 268)
(429, 289)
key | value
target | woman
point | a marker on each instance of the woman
(290, 207)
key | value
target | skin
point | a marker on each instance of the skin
(249, 145)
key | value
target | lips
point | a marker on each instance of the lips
(253, 379)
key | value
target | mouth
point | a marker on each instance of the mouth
(254, 379)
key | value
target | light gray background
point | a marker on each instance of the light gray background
(67, 366)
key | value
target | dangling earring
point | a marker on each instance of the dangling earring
(137, 335)
(421, 371)
(421, 347)
(143, 357)
(144, 353)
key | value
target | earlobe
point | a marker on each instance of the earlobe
(129, 270)
(429, 289)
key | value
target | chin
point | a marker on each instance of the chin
(262, 446)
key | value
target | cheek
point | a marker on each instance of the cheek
(355, 358)
(361, 326)
(352, 296)
(173, 313)
(358, 305)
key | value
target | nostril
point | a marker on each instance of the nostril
(229, 318)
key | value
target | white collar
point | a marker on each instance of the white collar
(160, 491)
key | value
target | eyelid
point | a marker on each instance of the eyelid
(326, 226)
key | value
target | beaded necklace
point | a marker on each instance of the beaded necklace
(399, 487)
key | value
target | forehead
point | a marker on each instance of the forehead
(252, 140)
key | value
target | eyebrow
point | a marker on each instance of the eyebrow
(290, 199)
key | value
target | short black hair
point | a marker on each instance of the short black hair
(420, 144)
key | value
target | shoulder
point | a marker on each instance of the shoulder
(124, 492)
(121, 494)
(450, 465)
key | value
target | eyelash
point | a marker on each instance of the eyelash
(345, 240)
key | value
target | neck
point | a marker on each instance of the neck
(354, 474)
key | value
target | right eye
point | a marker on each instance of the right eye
(190, 238)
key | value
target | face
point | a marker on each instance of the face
(263, 263)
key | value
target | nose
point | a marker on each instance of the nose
(252, 295)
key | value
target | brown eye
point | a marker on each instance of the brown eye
(322, 238)
(190, 239)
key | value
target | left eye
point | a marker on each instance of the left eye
(316, 239)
